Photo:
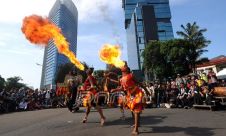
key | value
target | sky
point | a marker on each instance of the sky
(100, 22)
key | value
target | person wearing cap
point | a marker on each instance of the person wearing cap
(179, 80)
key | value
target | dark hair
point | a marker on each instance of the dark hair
(90, 70)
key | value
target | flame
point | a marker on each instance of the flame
(39, 30)
(111, 54)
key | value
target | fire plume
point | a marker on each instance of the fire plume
(39, 30)
(111, 54)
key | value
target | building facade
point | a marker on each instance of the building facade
(216, 64)
(145, 20)
(64, 14)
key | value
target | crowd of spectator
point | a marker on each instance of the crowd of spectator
(27, 99)
(181, 92)
(185, 91)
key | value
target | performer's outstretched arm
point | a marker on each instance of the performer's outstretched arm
(117, 89)
(112, 80)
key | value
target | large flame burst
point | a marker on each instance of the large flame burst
(39, 30)
(111, 54)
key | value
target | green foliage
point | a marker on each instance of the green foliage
(99, 74)
(63, 70)
(154, 60)
(2, 83)
(195, 43)
(167, 58)
(112, 68)
(13, 82)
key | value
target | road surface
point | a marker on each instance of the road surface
(154, 122)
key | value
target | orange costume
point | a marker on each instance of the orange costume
(89, 98)
(134, 93)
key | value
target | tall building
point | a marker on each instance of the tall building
(64, 14)
(145, 20)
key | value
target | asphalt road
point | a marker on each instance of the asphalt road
(154, 122)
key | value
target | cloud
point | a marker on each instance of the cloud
(87, 38)
(6, 35)
(2, 44)
(13, 11)
(21, 51)
(18, 50)
(90, 10)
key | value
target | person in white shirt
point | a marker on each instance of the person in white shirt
(47, 97)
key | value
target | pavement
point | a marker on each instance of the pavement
(154, 122)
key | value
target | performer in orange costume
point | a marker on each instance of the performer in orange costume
(90, 85)
(135, 97)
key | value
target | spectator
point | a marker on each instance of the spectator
(47, 98)
(168, 90)
(199, 96)
(204, 76)
(212, 79)
(151, 90)
(173, 96)
(157, 94)
(222, 83)
(23, 105)
(182, 100)
(199, 81)
(179, 80)
(191, 94)
(73, 85)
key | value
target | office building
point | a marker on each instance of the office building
(64, 14)
(145, 20)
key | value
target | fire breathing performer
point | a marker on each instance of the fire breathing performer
(134, 95)
(135, 99)
(90, 85)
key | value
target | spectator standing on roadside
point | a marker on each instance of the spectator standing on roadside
(179, 80)
(212, 79)
(47, 97)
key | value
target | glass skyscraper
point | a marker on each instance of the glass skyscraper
(64, 14)
(145, 20)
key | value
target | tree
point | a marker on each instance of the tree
(165, 59)
(13, 82)
(155, 61)
(64, 69)
(99, 74)
(112, 68)
(2, 83)
(176, 56)
(195, 43)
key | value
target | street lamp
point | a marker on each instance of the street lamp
(39, 64)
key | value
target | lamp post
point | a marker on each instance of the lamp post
(39, 64)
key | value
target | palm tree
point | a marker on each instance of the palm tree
(195, 43)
